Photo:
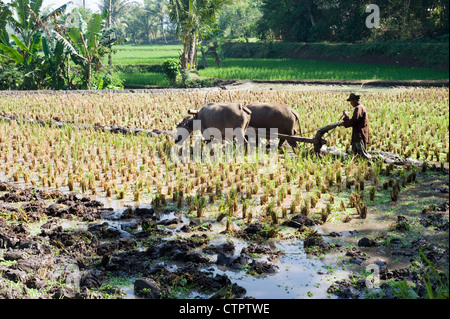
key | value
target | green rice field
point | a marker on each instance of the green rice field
(285, 69)
(262, 69)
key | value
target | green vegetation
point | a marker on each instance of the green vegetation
(189, 17)
(411, 53)
(141, 66)
(144, 80)
(280, 69)
(40, 52)
(345, 20)
(145, 54)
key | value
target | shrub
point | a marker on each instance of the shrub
(171, 69)
(11, 77)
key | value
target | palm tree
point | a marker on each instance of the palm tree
(189, 16)
(117, 10)
(141, 23)
(160, 10)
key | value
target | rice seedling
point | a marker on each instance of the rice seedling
(342, 205)
(324, 215)
(276, 69)
(313, 201)
(98, 163)
(305, 208)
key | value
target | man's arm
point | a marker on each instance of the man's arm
(350, 122)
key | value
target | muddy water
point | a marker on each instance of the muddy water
(298, 276)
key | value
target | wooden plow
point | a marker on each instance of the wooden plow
(318, 141)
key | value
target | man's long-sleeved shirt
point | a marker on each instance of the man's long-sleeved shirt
(360, 124)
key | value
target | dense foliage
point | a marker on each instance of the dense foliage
(40, 50)
(345, 20)
(293, 20)
(66, 49)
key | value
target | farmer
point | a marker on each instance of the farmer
(360, 124)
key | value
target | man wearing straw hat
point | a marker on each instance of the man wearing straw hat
(360, 124)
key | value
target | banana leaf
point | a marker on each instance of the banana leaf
(36, 5)
(12, 53)
(22, 7)
(77, 57)
(36, 42)
(57, 12)
(5, 14)
(19, 43)
(93, 32)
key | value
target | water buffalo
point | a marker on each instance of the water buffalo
(272, 115)
(215, 119)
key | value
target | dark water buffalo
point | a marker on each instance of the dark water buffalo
(272, 115)
(215, 119)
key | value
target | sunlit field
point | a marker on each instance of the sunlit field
(262, 69)
(402, 123)
(284, 200)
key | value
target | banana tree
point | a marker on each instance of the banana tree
(87, 43)
(55, 57)
(25, 45)
(27, 59)
(29, 18)
(5, 15)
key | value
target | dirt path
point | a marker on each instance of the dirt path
(290, 85)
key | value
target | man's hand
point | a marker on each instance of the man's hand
(345, 113)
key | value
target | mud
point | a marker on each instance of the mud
(93, 249)
(56, 244)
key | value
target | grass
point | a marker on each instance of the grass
(426, 54)
(148, 79)
(145, 54)
(127, 56)
(287, 69)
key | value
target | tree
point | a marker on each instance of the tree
(288, 20)
(5, 15)
(29, 25)
(142, 24)
(87, 43)
(239, 20)
(189, 16)
(115, 10)
(55, 57)
(344, 20)
(159, 9)
(30, 20)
